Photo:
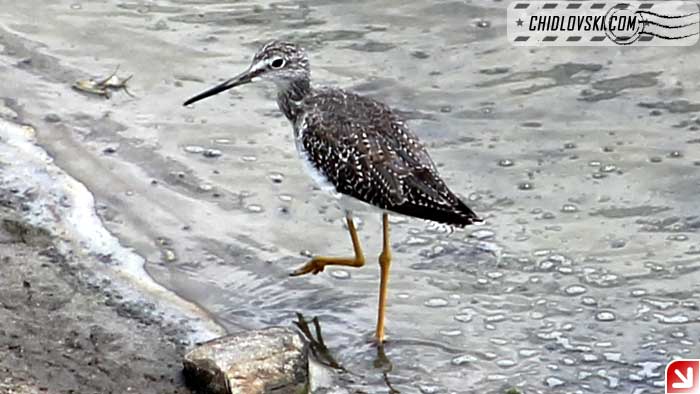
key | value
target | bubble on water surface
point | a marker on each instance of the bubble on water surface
(672, 319)
(451, 333)
(494, 275)
(482, 23)
(212, 153)
(589, 358)
(574, 290)
(465, 316)
(608, 168)
(525, 186)
(418, 241)
(569, 208)
(464, 359)
(553, 381)
(429, 388)
(254, 208)
(605, 316)
(505, 363)
(340, 274)
(482, 234)
(436, 302)
(276, 177)
(638, 292)
(194, 149)
(618, 243)
(568, 361)
(527, 352)
(499, 317)
(613, 357)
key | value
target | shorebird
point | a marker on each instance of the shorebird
(356, 148)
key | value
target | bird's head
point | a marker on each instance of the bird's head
(277, 61)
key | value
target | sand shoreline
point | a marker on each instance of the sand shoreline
(62, 331)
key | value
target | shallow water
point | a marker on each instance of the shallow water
(584, 161)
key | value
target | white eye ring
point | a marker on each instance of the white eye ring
(277, 63)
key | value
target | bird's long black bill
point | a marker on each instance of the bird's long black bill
(238, 80)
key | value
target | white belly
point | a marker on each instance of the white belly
(346, 202)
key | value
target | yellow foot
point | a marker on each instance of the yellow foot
(319, 263)
(314, 266)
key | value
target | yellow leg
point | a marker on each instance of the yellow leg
(384, 264)
(318, 263)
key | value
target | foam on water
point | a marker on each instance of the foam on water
(66, 209)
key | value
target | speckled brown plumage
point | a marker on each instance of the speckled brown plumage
(363, 148)
(366, 151)
(354, 144)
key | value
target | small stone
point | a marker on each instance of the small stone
(249, 362)
(169, 255)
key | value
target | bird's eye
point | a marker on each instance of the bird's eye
(277, 63)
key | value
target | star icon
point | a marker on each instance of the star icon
(519, 22)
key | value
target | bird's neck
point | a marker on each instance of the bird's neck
(290, 95)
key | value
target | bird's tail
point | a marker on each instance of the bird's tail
(459, 214)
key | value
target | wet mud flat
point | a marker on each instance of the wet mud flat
(63, 331)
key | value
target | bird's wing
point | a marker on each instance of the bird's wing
(368, 152)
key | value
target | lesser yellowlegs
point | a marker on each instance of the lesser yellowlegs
(358, 149)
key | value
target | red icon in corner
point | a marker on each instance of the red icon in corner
(683, 377)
